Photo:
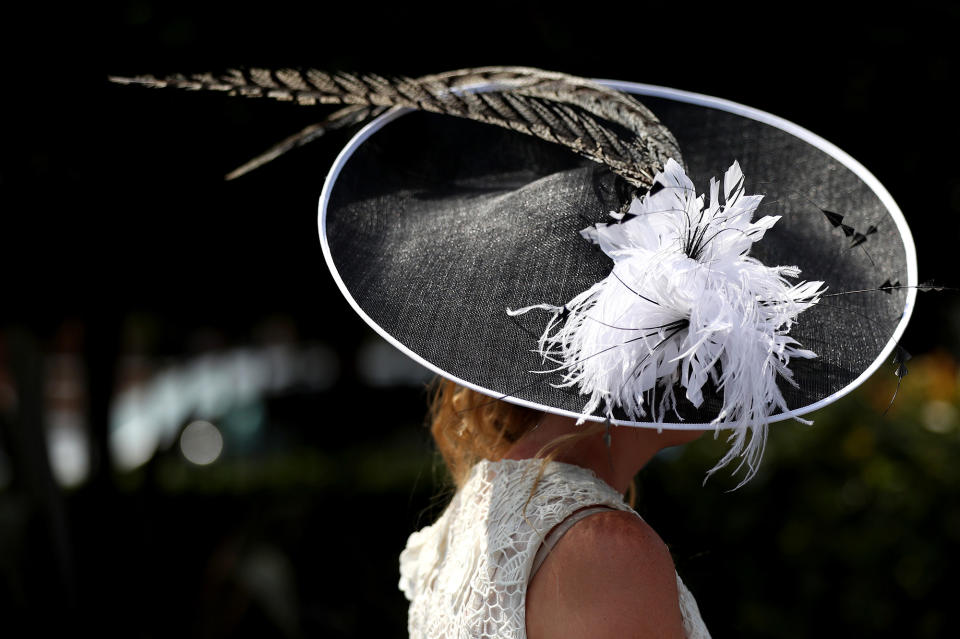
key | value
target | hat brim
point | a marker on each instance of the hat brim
(433, 226)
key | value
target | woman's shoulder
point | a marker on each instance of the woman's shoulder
(609, 575)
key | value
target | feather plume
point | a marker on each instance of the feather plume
(599, 123)
(684, 305)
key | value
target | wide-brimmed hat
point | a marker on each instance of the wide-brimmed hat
(439, 229)
(610, 251)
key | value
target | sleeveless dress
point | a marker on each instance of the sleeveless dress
(466, 575)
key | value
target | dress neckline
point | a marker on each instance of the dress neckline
(552, 466)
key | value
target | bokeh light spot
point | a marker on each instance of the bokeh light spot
(939, 416)
(201, 443)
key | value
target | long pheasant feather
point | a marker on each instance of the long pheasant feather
(599, 123)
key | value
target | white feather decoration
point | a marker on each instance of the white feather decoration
(684, 303)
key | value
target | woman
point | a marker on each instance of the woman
(617, 297)
(630, 290)
(540, 543)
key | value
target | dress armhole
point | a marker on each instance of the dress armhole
(557, 533)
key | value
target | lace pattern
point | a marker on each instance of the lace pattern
(466, 575)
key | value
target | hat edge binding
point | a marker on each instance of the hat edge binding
(682, 96)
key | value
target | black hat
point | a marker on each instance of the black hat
(438, 229)
(693, 263)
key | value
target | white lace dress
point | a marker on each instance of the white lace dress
(466, 575)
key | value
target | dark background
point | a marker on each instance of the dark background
(125, 256)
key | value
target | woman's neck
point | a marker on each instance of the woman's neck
(629, 451)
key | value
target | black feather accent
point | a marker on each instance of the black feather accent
(930, 285)
(834, 218)
(900, 357)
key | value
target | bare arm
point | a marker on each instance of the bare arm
(610, 576)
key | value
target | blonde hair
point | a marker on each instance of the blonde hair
(468, 426)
